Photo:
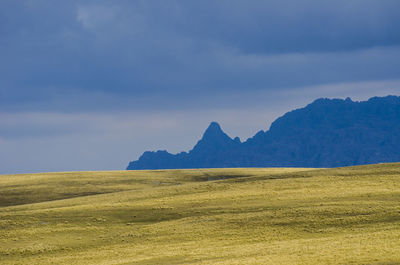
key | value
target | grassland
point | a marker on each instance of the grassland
(211, 216)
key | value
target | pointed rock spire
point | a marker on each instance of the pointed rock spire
(213, 131)
(213, 139)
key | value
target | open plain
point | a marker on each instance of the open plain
(203, 216)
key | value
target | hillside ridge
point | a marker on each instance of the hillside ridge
(325, 133)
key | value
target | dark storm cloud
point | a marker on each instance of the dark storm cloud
(56, 53)
(295, 26)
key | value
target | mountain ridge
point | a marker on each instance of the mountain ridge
(325, 133)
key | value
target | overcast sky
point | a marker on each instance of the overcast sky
(90, 85)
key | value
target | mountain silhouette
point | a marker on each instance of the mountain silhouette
(325, 133)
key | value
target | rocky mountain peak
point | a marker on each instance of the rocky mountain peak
(325, 133)
(213, 131)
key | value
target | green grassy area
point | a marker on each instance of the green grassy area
(206, 216)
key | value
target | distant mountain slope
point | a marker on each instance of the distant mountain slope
(325, 133)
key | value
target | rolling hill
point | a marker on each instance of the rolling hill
(206, 216)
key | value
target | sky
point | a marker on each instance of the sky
(91, 85)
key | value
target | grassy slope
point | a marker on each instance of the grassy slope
(218, 216)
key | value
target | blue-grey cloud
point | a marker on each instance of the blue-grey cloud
(52, 51)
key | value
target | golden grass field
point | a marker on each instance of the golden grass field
(205, 216)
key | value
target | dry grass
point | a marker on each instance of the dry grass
(206, 216)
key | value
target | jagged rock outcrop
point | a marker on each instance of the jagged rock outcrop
(325, 133)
